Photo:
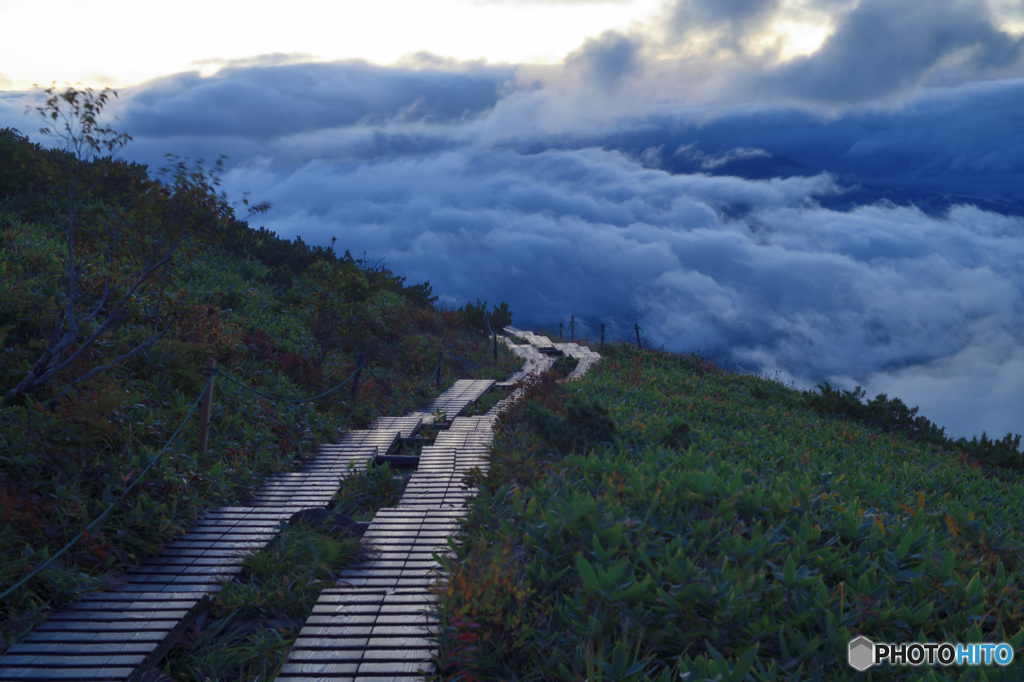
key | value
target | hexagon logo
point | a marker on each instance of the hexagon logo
(861, 654)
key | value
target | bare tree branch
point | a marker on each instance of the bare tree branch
(186, 203)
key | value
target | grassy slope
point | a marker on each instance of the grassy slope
(258, 614)
(758, 552)
(242, 296)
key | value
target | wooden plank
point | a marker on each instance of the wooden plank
(122, 616)
(399, 614)
(66, 673)
(91, 647)
(75, 638)
(64, 660)
(382, 633)
(106, 637)
(391, 668)
(121, 626)
(317, 669)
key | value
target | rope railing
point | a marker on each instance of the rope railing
(432, 377)
(205, 398)
(490, 332)
(285, 399)
(99, 519)
(641, 340)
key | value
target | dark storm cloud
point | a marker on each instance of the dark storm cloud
(242, 108)
(965, 141)
(607, 60)
(885, 47)
(728, 20)
(876, 49)
(874, 295)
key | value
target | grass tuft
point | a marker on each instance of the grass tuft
(728, 530)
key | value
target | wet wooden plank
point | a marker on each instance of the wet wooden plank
(406, 425)
(80, 638)
(390, 669)
(66, 660)
(89, 647)
(126, 616)
(289, 670)
(384, 632)
(463, 393)
(43, 673)
(398, 616)
(108, 636)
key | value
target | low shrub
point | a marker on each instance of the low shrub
(754, 552)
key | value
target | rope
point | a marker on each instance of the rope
(430, 378)
(283, 398)
(211, 373)
(109, 509)
(487, 349)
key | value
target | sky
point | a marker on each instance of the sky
(815, 190)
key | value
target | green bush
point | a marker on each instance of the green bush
(583, 426)
(755, 552)
(893, 416)
(263, 307)
(476, 316)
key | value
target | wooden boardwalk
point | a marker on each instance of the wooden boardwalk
(463, 393)
(378, 621)
(375, 623)
(587, 358)
(119, 635)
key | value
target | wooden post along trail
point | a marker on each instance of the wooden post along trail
(375, 623)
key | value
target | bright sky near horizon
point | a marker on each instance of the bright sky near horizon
(122, 42)
(826, 189)
(119, 43)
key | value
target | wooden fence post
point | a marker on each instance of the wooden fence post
(636, 328)
(602, 336)
(207, 407)
(360, 361)
(572, 329)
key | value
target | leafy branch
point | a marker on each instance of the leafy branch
(134, 245)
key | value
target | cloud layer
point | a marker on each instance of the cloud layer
(851, 215)
(879, 295)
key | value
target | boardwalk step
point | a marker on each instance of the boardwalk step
(376, 624)
(363, 633)
(106, 636)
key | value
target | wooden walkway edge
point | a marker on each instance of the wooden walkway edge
(375, 623)
(379, 621)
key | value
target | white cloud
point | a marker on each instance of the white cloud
(880, 293)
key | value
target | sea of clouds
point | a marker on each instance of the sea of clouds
(853, 216)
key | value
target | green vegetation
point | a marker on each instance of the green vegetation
(893, 416)
(659, 518)
(476, 315)
(114, 290)
(664, 519)
(257, 616)
(364, 492)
